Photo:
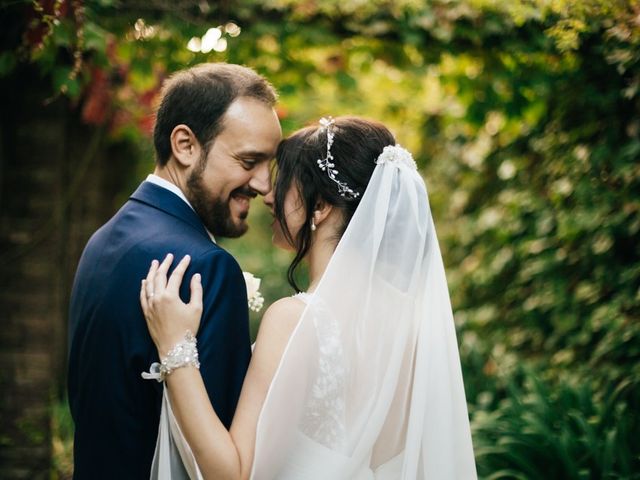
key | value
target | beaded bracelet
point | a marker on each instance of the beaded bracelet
(183, 354)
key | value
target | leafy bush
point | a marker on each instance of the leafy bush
(568, 430)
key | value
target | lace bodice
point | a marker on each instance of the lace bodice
(324, 418)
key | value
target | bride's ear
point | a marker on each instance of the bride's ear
(321, 212)
(184, 146)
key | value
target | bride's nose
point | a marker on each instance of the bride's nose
(269, 199)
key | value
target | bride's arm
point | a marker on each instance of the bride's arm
(218, 452)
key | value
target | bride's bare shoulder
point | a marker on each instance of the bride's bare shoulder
(285, 310)
(281, 317)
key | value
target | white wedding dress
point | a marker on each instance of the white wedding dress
(370, 384)
(318, 442)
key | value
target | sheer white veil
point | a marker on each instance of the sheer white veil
(370, 384)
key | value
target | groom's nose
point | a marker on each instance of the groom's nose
(261, 178)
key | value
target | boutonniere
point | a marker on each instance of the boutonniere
(256, 300)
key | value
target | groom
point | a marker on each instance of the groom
(215, 134)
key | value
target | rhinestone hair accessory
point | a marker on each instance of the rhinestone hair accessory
(396, 155)
(326, 164)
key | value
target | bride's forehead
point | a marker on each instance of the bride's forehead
(291, 192)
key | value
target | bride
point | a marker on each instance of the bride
(357, 378)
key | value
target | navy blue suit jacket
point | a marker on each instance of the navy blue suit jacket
(116, 412)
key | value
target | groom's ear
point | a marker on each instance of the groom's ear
(184, 146)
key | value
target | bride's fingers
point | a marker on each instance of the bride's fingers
(143, 297)
(151, 274)
(160, 279)
(173, 285)
(196, 292)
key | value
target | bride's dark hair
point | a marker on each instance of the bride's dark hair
(357, 143)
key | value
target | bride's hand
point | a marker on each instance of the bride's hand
(167, 316)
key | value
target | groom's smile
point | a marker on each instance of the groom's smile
(243, 199)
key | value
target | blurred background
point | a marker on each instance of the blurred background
(524, 118)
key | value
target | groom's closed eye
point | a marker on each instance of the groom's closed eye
(249, 163)
(254, 156)
(253, 163)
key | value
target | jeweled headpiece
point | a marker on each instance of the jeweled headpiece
(326, 164)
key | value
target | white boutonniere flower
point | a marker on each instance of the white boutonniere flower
(256, 300)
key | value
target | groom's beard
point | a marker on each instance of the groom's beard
(213, 212)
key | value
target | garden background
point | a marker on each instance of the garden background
(523, 116)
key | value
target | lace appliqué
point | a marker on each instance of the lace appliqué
(324, 415)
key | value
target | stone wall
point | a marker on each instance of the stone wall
(57, 185)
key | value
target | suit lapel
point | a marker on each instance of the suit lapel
(168, 202)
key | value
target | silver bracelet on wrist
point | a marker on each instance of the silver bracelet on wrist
(183, 354)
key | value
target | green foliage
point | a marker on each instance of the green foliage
(62, 441)
(570, 431)
(552, 211)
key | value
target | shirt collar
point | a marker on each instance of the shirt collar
(161, 182)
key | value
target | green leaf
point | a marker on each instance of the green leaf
(8, 61)
(64, 84)
(95, 38)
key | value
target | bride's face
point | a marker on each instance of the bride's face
(294, 215)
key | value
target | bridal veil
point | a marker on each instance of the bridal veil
(370, 384)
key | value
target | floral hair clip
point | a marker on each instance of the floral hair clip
(396, 155)
(326, 164)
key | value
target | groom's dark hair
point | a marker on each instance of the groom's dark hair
(199, 97)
